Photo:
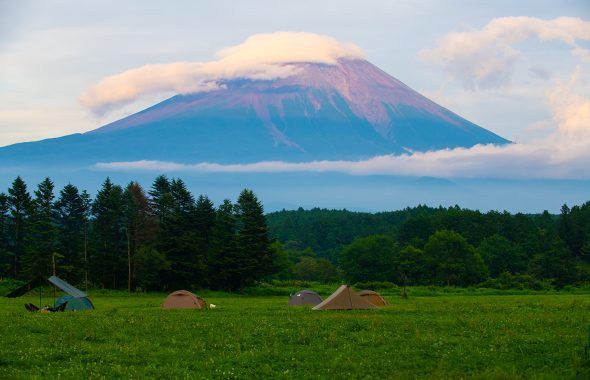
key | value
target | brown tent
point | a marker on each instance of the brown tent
(183, 299)
(305, 297)
(344, 298)
(373, 297)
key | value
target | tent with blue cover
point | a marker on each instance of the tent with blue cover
(75, 300)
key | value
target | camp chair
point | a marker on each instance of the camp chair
(61, 307)
(31, 307)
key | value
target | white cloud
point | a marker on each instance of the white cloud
(482, 161)
(261, 56)
(485, 58)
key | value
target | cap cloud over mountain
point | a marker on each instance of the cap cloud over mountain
(344, 109)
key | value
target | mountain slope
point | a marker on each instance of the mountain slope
(347, 111)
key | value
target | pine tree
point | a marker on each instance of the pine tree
(41, 239)
(72, 219)
(109, 240)
(254, 257)
(204, 222)
(19, 202)
(5, 253)
(223, 247)
(161, 200)
(178, 239)
(141, 225)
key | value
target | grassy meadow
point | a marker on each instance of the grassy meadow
(534, 336)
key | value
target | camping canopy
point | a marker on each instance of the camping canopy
(305, 297)
(344, 298)
(76, 300)
(26, 287)
(183, 299)
(373, 297)
(71, 290)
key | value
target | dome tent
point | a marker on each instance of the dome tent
(344, 298)
(183, 299)
(373, 297)
(73, 303)
(305, 297)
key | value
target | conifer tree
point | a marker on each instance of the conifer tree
(178, 239)
(141, 225)
(109, 240)
(72, 209)
(253, 257)
(223, 247)
(204, 222)
(161, 200)
(19, 202)
(41, 238)
(5, 254)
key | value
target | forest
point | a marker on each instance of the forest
(166, 238)
(127, 238)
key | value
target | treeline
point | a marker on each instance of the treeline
(442, 246)
(165, 238)
(129, 238)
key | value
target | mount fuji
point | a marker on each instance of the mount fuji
(350, 110)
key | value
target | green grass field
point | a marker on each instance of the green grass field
(443, 337)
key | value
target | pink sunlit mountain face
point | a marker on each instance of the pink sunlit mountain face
(348, 111)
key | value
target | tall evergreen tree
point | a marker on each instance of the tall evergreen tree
(19, 202)
(223, 247)
(178, 239)
(41, 239)
(204, 222)
(141, 225)
(5, 253)
(72, 210)
(109, 240)
(253, 257)
(161, 200)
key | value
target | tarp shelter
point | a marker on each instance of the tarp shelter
(305, 297)
(78, 299)
(373, 297)
(183, 299)
(344, 298)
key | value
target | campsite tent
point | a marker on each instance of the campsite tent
(373, 297)
(76, 299)
(344, 298)
(73, 303)
(183, 299)
(305, 297)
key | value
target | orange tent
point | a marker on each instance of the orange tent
(373, 297)
(344, 298)
(183, 299)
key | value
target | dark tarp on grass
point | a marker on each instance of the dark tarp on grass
(26, 287)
